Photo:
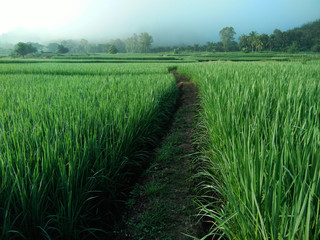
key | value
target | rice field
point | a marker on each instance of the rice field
(71, 138)
(260, 137)
(74, 135)
(83, 68)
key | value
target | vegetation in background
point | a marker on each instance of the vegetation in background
(145, 41)
(303, 39)
(62, 49)
(227, 39)
(141, 43)
(164, 58)
(22, 49)
(261, 139)
(113, 49)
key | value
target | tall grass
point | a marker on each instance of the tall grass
(68, 145)
(261, 139)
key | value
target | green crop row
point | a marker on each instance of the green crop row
(70, 144)
(83, 68)
(260, 136)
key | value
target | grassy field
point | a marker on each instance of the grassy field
(75, 131)
(260, 138)
(248, 57)
(84, 69)
(166, 57)
(71, 139)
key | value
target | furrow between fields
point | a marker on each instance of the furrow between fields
(161, 204)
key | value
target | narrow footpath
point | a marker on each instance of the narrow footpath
(161, 205)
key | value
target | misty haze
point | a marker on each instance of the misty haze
(179, 23)
(152, 120)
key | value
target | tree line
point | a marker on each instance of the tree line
(135, 44)
(305, 38)
(302, 39)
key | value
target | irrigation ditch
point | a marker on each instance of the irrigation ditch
(161, 204)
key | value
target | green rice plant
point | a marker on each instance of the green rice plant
(69, 145)
(83, 68)
(261, 138)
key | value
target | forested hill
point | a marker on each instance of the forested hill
(302, 39)
(307, 37)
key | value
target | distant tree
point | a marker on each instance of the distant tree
(119, 44)
(132, 44)
(209, 46)
(310, 36)
(104, 48)
(187, 48)
(22, 49)
(196, 48)
(244, 43)
(258, 43)
(271, 42)
(52, 47)
(38, 46)
(145, 41)
(227, 37)
(293, 48)
(218, 46)
(71, 45)
(113, 49)
(264, 38)
(253, 37)
(92, 48)
(315, 48)
(98, 48)
(277, 40)
(82, 46)
(306, 41)
(62, 49)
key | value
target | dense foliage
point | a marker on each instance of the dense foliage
(22, 49)
(62, 49)
(305, 38)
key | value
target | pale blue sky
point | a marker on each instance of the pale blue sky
(168, 21)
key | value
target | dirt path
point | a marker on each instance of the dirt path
(161, 205)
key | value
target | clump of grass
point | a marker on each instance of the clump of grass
(261, 138)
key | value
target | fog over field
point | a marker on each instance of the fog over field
(169, 22)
